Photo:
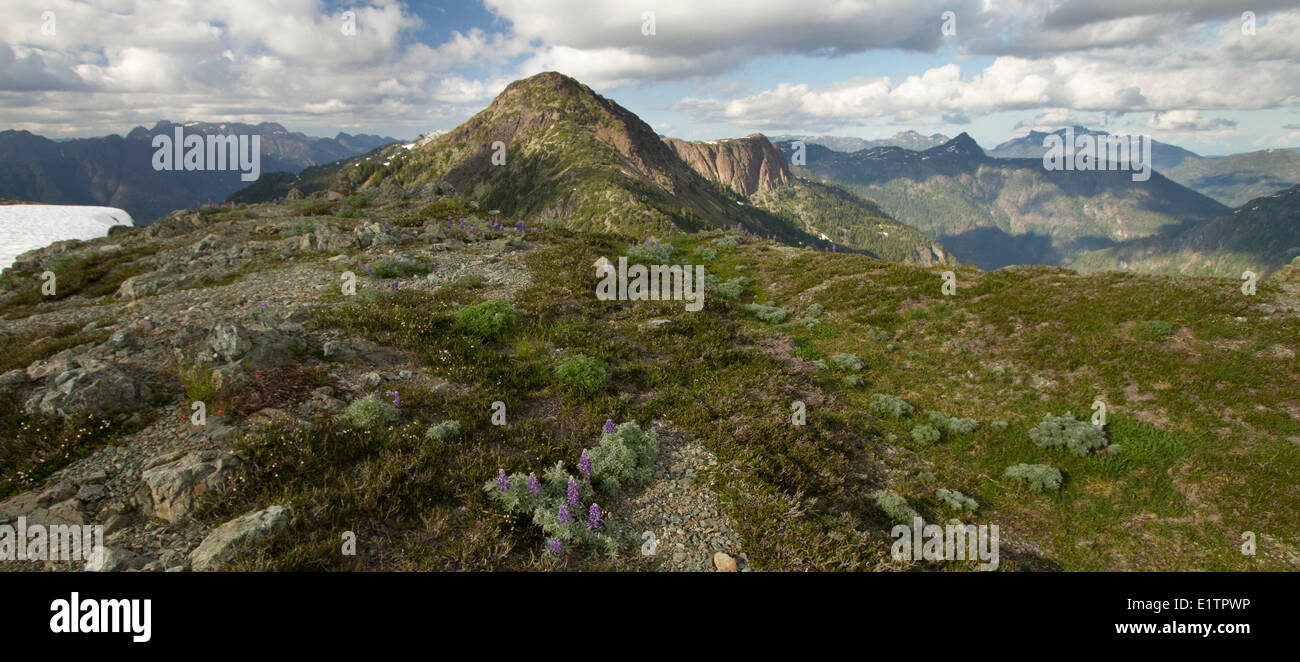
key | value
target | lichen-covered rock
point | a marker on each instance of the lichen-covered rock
(225, 542)
(229, 340)
(92, 386)
(169, 489)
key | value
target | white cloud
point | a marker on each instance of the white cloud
(114, 62)
(1187, 121)
(1226, 73)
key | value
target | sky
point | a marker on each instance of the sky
(1213, 76)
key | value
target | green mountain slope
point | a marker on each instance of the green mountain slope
(755, 169)
(1262, 236)
(996, 212)
(1237, 179)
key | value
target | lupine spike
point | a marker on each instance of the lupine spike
(572, 494)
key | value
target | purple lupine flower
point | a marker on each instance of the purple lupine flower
(359, 265)
(554, 546)
(263, 305)
(503, 483)
(519, 227)
(563, 514)
(385, 225)
(593, 517)
(609, 426)
(572, 493)
(367, 270)
(397, 398)
(584, 465)
(394, 286)
(534, 486)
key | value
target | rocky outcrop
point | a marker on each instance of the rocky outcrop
(169, 489)
(86, 385)
(747, 165)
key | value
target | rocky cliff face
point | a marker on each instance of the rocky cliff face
(747, 165)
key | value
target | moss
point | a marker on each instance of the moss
(492, 319)
(583, 372)
(399, 269)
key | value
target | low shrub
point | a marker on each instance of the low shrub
(847, 362)
(583, 372)
(554, 502)
(730, 290)
(765, 313)
(492, 319)
(1039, 476)
(926, 434)
(368, 412)
(952, 424)
(468, 281)
(624, 458)
(895, 506)
(398, 269)
(443, 431)
(811, 314)
(651, 253)
(955, 500)
(883, 403)
(1081, 437)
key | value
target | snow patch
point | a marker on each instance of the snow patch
(26, 227)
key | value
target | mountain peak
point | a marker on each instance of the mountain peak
(963, 144)
(545, 82)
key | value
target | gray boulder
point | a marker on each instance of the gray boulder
(224, 543)
(91, 387)
(169, 489)
(229, 340)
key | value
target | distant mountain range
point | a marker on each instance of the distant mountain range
(1164, 155)
(995, 212)
(1262, 236)
(119, 172)
(905, 139)
(1232, 180)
